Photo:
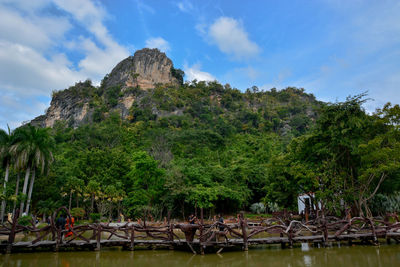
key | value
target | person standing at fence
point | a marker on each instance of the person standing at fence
(221, 220)
(60, 223)
(69, 225)
(192, 219)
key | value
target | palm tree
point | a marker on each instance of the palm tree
(5, 142)
(73, 184)
(32, 147)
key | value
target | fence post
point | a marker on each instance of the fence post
(243, 225)
(98, 237)
(11, 236)
(282, 243)
(325, 228)
(376, 241)
(132, 244)
(386, 220)
(201, 239)
(290, 238)
(170, 231)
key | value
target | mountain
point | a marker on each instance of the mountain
(161, 143)
(146, 69)
(147, 87)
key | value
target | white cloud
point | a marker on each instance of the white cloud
(31, 64)
(194, 73)
(159, 43)
(185, 6)
(29, 30)
(231, 38)
(25, 71)
(98, 60)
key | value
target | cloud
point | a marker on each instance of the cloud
(146, 8)
(232, 39)
(185, 6)
(194, 73)
(29, 30)
(159, 43)
(99, 59)
(34, 52)
(25, 71)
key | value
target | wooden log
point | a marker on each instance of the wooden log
(244, 231)
(132, 239)
(190, 246)
(11, 236)
(98, 237)
(201, 239)
(325, 230)
(376, 242)
(282, 243)
(170, 230)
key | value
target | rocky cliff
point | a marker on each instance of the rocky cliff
(84, 103)
(145, 69)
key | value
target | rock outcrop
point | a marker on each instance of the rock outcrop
(145, 69)
(70, 105)
(79, 104)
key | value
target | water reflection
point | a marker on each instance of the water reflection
(384, 256)
(307, 260)
(305, 247)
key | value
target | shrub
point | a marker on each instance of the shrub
(78, 212)
(273, 207)
(25, 220)
(95, 217)
(257, 208)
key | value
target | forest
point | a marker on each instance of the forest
(205, 145)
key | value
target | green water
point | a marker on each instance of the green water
(362, 256)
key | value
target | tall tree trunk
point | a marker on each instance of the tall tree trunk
(119, 210)
(3, 202)
(110, 212)
(92, 204)
(77, 199)
(16, 193)
(70, 200)
(30, 191)
(183, 210)
(21, 207)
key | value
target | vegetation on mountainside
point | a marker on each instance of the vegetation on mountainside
(205, 145)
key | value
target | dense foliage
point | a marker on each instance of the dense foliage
(204, 145)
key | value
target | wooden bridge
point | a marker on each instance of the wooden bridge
(202, 237)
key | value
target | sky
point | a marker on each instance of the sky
(331, 48)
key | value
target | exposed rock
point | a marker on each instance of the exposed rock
(145, 69)
(71, 105)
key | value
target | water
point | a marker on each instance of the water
(384, 256)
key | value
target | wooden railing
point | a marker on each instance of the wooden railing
(240, 232)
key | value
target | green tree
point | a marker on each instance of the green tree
(73, 185)
(147, 182)
(92, 190)
(5, 157)
(344, 159)
(33, 148)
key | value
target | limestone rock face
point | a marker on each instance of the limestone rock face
(145, 69)
(79, 104)
(71, 105)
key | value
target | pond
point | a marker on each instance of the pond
(385, 256)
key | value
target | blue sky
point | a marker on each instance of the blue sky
(331, 48)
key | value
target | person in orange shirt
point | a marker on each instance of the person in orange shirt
(69, 225)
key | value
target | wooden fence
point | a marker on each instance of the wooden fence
(201, 236)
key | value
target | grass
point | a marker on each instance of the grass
(257, 216)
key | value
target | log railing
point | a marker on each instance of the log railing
(241, 232)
